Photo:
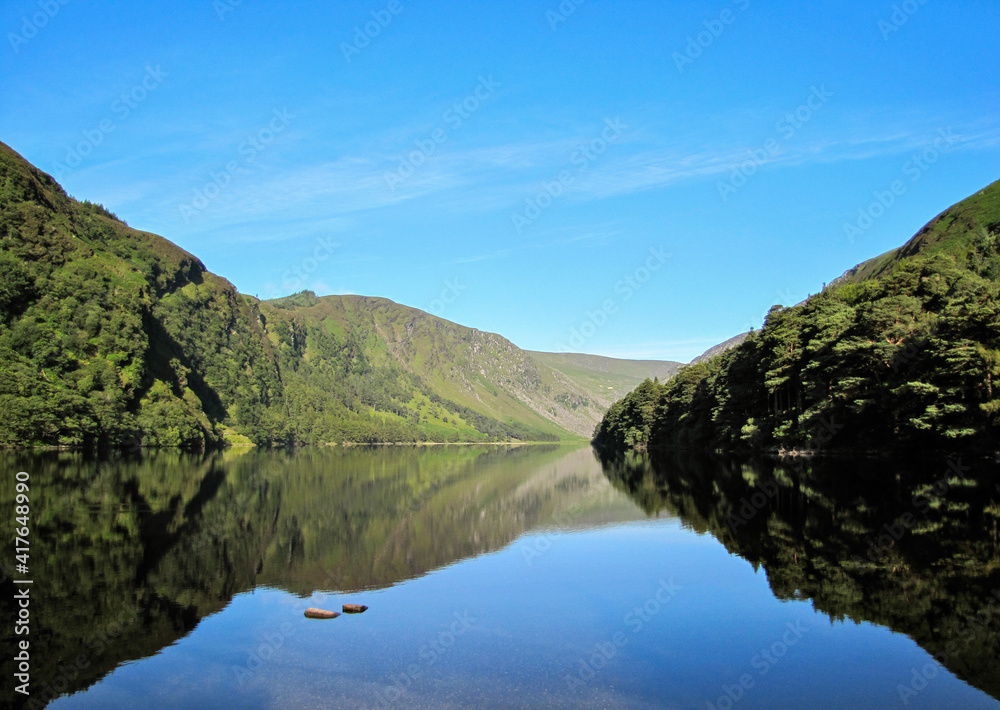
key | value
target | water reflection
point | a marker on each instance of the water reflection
(909, 545)
(130, 554)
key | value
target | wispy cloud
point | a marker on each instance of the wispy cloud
(656, 169)
(489, 256)
(483, 178)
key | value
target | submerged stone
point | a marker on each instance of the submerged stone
(314, 613)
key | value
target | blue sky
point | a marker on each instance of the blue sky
(636, 179)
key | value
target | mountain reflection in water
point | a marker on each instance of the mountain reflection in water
(908, 545)
(131, 555)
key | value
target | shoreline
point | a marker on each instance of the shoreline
(344, 444)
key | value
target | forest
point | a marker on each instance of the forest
(901, 353)
(110, 336)
(832, 533)
(114, 337)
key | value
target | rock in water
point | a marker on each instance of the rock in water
(354, 608)
(314, 613)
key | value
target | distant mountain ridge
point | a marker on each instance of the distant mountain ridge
(111, 335)
(465, 366)
(720, 348)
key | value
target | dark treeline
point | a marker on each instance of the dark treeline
(138, 548)
(905, 544)
(110, 336)
(908, 357)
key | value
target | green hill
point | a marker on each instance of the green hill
(448, 381)
(952, 233)
(902, 352)
(602, 379)
(113, 336)
(108, 333)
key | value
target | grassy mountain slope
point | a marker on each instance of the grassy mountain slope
(952, 233)
(107, 331)
(111, 335)
(442, 369)
(437, 376)
(605, 373)
(588, 384)
(902, 352)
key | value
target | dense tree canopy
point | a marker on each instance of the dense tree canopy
(908, 359)
(110, 336)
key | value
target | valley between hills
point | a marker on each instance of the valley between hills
(111, 336)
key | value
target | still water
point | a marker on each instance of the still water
(499, 577)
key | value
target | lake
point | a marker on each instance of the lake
(506, 577)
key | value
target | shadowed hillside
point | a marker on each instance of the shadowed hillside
(914, 548)
(110, 336)
(903, 352)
